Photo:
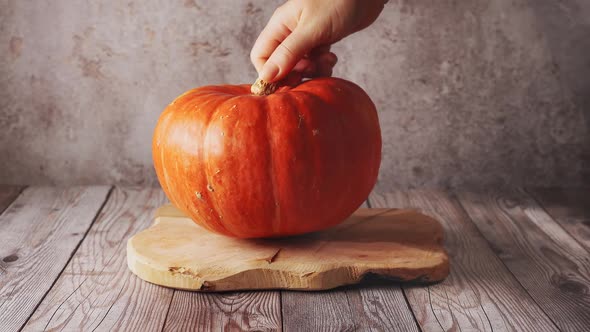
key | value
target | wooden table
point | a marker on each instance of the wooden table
(519, 261)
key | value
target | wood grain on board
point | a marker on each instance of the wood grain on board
(379, 306)
(400, 244)
(546, 260)
(39, 232)
(480, 293)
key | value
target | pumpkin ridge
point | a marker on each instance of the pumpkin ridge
(276, 224)
(220, 107)
(305, 130)
(310, 136)
(202, 161)
(342, 194)
(340, 197)
(161, 122)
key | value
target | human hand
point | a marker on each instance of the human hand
(300, 32)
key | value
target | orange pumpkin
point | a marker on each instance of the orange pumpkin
(298, 160)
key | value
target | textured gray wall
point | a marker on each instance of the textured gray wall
(470, 92)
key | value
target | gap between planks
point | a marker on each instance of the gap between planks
(368, 205)
(409, 300)
(96, 289)
(93, 292)
(570, 208)
(480, 292)
(70, 258)
(41, 230)
(548, 262)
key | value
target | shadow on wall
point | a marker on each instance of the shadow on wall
(566, 25)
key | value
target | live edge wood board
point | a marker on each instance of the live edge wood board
(403, 245)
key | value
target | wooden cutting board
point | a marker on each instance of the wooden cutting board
(400, 244)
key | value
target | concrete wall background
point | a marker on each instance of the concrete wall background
(470, 93)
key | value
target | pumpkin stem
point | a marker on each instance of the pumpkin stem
(262, 88)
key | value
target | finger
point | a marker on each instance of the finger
(323, 71)
(304, 65)
(324, 64)
(323, 48)
(292, 79)
(310, 66)
(319, 50)
(327, 58)
(287, 54)
(276, 30)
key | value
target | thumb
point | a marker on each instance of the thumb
(287, 54)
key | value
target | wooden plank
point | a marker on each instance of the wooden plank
(546, 260)
(8, 194)
(236, 311)
(480, 293)
(317, 311)
(39, 232)
(96, 290)
(570, 208)
(373, 306)
(378, 306)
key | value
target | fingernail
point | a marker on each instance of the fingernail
(269, 71)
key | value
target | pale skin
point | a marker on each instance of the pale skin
(299, 34)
